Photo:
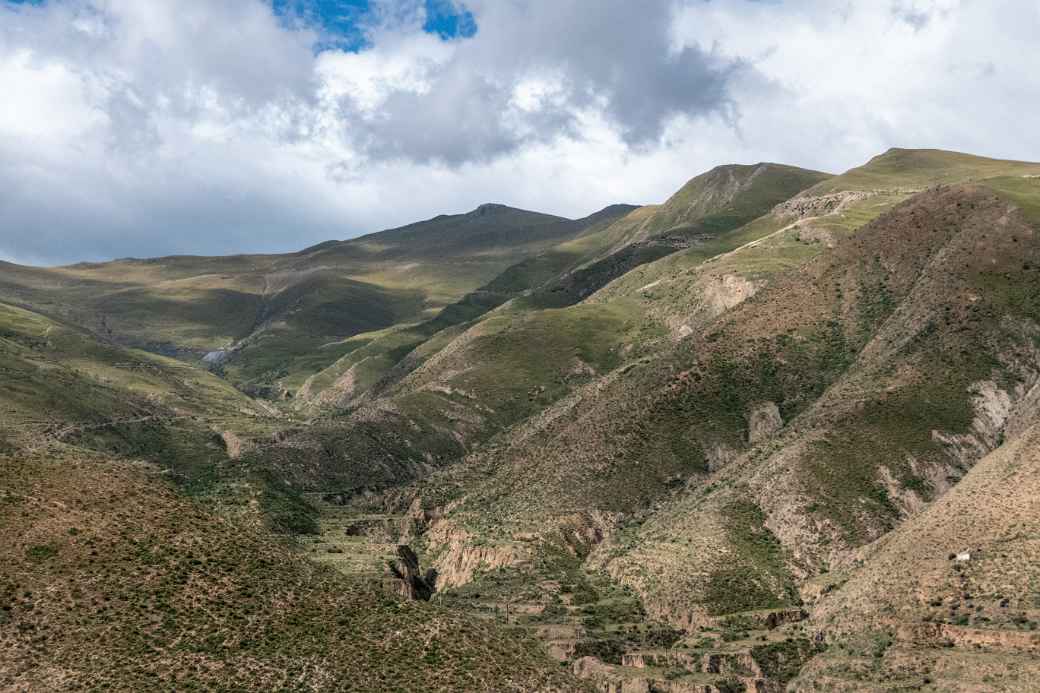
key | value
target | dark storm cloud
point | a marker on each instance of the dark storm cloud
(615, 56)
(196, 126)
(141, 128)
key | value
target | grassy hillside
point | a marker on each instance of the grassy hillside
(58, 376)
(62, 389)
(111, 580)
(967, 623)
(117, 572)
(688, 446)
(823, 408)
(709, 206)
(379, 357)
(916, 169)
(728, 197)
(871, 315)
(820, 216)
(280, 318)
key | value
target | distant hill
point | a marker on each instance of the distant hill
(272, 320)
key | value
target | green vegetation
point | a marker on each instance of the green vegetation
(41, 552)
(658, 417)
(916, 169)
(592, 613)
(844, 469)
(280, 311)
(1022, 190)
(188, 600)
(754, 576)
(782, 661)
(745, 193)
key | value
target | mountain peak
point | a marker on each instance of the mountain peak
(489, 208)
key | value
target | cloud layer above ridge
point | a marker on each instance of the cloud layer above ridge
(188, 126)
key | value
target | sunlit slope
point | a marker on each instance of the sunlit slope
(60, 381)
(917, 169)
(727, 197)
(277, 316)
(954, 590)
(817, 218)
(845, 352)
(64, 392)
(705, 214)
(908, 383)
(754, 406)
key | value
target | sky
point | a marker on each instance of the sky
(145, 128)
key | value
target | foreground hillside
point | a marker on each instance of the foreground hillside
(951, 596)
(137, 553)
(776, 433)
(112, 580)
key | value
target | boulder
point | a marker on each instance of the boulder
(763, 421)
(405, 578)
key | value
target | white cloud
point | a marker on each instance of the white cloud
(834, 84)
(168, 126)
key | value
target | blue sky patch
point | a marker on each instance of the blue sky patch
(447, 21)
(342, 21)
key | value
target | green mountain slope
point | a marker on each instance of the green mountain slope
(63, 389)
(371, 357)
(273, 320)
(693, 446)
(828, 407)
(137, 549)
(917, 169)
(787, 345)
(709, 206)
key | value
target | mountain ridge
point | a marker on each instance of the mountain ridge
(686, 446)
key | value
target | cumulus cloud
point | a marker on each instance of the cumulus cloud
(191, 126)
(523, 78)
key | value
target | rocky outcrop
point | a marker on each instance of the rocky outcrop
(416, 520)
(820, 205)
(232, 444)
(948, 635)
(724, 291)
(763, 421)
(992, 407)
(462, 561)
(460, 557)
(737, 663)
(405, 579)
(810, 233)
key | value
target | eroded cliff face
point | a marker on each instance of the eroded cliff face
(405, 578)
(459, 558)
(809, 206)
